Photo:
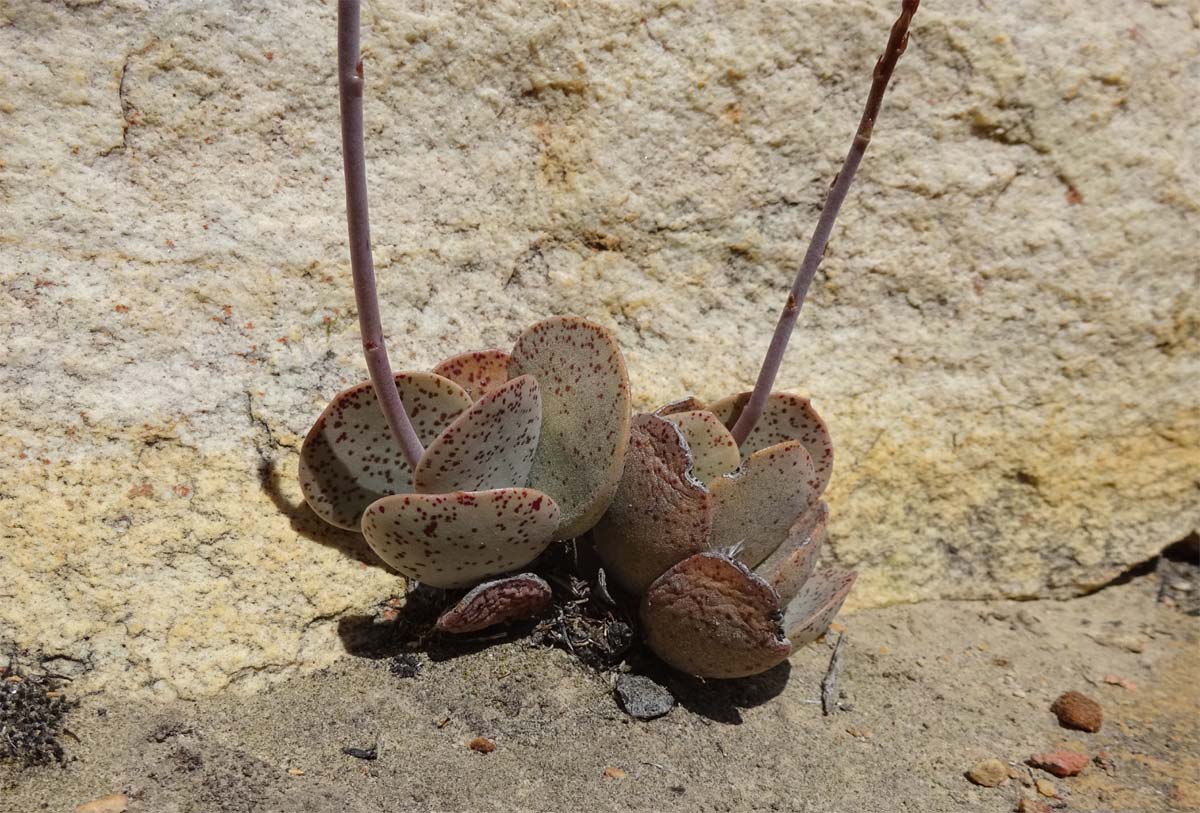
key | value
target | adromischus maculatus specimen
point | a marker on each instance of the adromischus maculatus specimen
(717, 522)
(721, 542)
(496, 454)
(520, 449)
(708, 613)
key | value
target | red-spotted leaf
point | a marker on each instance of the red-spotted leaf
(660, 513)
(491, 445)
(688, 404)
(477, 371)
(709, 616)
(455, 540)
(496, 602)
(811, 612)
(755, 506)
(350, 459)
(714, 451)
(788, 568)
(585, 415)
(785, 417)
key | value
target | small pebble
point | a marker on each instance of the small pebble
(1046, 788)
(642, 698)
(1117, 680)
(369, 754)
(405, 665)
(1105, 762)
(1060, 763)
(1033, 806)
(990, 773)
(614, 773)
(113, 803)
(1078, 711)
(482, 744)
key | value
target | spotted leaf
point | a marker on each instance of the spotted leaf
(477, 371)
(350, 459)
(811, 612)
(491, 445)
(585, 415)
(458, 539)
(660, 513)
(785, 417)
(755, 506)
(688, 404)
(497, 602)
(709, 616)
(788, 568)
(714, 451)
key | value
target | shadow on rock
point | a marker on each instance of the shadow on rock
(310, 526)
(405, 626)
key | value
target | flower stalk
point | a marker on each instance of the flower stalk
(897, 42)
(350, 93)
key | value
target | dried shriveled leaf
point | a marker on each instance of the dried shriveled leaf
(788, 568)
(455, 540)
(785, 417)
(811, 612)
(714, 451)
(585, 415)
(755, 506)
(497, 602)
(660, 513)
(491, 445)
(688, 404)
(350, 459)
(477, 371)
(709, 616)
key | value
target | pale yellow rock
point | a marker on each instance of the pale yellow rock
(1003, 337)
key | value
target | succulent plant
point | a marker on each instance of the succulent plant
(523, 448)
(470, 471)
(721, 543)
(714, 517)
(718, 521)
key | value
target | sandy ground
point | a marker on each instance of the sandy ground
(927, 691)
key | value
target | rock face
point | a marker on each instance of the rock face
(1003, 337)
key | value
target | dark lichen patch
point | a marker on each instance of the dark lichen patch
(33, 712)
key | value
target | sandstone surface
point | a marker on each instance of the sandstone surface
(1003, 338)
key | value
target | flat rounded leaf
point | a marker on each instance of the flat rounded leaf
(660, 513)
(350, 459)
(711, 617)
(491, 445)
(785, 417)
(688, 404)
(754, 507)
(513, 598)
(788, 568)
(477, 371)
(714, 451)
(585, 415)
(459, 539)
(811, 612)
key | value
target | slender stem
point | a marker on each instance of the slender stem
(897, 42)
(350, 91)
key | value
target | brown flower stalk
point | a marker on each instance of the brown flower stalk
(350, 92)
(897, 42)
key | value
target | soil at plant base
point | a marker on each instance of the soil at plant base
(925, 692)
